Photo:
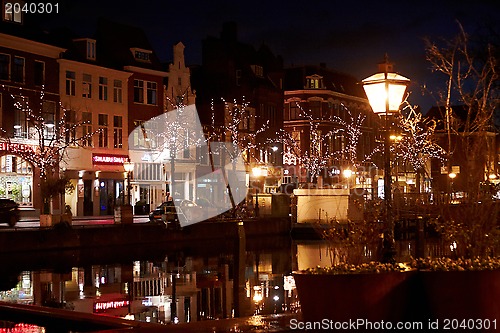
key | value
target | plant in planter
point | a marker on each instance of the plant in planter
(51, 187)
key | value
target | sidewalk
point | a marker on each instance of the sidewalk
(79, 218)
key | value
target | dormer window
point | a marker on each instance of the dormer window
(86, 46)
(258, 70)
(314, 82)
(141, 54)
(13, 11)
(90, 49)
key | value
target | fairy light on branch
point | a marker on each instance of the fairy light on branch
(49, 138)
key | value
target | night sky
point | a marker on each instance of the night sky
(351, 37)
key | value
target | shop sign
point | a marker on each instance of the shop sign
(15, 147)
(103, 306)
(109, 159)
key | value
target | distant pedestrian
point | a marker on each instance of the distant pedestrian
(168, 197)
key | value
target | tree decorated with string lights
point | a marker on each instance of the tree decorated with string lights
(48, 141)
(240, 130)
(315, 158)
(418, 142)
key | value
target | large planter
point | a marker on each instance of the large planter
(424, 296)
(462, 295)
(49, 220)
(344, 297)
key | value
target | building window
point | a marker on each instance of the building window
(87, 86)
(39, 70)
(70, 124)
(18, 70)
(87, 129)
(314, 82)
(294, 111)
(4, 67)
(90, 49)
(49, 118)
(138, 91)
(103, 130)
(151, 93)
(258, 70)
(117, 91)
(21, 105)
(141, 54)
(70, 83)
(117, 132)
(103, 88)
(13, 11)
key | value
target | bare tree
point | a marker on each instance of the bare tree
(471, 74)
(418, 142)
(470, 71)
(50, 136)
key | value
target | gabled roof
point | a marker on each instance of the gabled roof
(296, 79)
(114, 41)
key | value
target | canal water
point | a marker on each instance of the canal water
(170, 283)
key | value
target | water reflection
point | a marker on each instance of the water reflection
(176, 284)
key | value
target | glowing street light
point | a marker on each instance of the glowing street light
(385, 92)
(129, 167)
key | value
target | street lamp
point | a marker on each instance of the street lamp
(129, 167)
(385, 92)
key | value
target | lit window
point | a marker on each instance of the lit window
(13, 11)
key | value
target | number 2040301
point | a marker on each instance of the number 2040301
(470, 324)
(31, 8)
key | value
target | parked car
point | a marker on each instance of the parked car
(171, 214)
(9, 212)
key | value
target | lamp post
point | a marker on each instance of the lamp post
(129, 167)
(385, 91)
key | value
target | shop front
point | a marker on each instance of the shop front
(100, 186)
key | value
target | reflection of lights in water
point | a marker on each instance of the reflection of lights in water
(257, 297)
(276, 298)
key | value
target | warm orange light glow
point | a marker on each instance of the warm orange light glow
(378, 89)
(452, 175)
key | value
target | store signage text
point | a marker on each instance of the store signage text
(15, 147)
(103, 306)
(109, 159)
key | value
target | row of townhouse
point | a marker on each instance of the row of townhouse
(115, 83)
(109, 85)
